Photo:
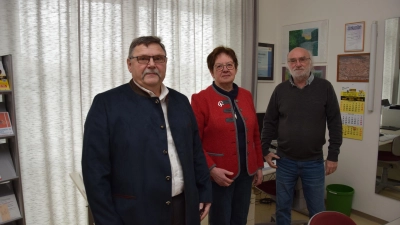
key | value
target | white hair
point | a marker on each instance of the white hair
(311, 60)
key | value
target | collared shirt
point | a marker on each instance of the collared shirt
(176, 168)
(309, 80)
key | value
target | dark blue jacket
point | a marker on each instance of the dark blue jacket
(125, 163)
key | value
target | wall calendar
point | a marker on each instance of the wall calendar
(352, 108)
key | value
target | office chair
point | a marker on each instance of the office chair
(388, 160)
(78, 181)
(269, 187)
(330, 218)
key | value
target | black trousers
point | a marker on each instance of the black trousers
(178, 210)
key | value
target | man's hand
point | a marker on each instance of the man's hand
(268, 158)
(204, 208)
(330, 167)
(220, 176)
(258, 177)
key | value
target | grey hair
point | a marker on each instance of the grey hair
(311, 60)
(145, 40)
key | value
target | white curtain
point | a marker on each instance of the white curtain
(190, 29)
(70, 50)
(48, 108)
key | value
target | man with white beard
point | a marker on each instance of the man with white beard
(297, 114)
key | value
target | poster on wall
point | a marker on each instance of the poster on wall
(352, 108)
(353, 67)
(312, 36)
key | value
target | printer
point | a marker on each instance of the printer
(390, 117)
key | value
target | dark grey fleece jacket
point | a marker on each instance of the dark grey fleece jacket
(298, 118)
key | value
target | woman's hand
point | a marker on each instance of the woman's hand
(258, 178)
(220, 176)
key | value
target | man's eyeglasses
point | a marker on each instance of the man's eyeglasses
(220, 67)
(301, 60)
(145, 59)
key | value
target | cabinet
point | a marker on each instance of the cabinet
(11, 211)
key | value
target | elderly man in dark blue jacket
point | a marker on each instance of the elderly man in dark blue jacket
(142, 158)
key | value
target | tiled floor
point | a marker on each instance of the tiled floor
(263, 214)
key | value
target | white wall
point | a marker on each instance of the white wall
(357, 160)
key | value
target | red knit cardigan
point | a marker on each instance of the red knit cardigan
(217, 129)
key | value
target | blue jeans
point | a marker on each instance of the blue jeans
(230, 205)
(312, 174)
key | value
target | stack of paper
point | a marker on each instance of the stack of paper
(387, 137)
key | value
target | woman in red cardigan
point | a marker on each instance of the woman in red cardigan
(230, 136)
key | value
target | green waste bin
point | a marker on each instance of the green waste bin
(339, 198)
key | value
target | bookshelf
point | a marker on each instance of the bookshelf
(11, 198)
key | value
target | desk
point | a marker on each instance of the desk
(394, 222)
(391, 133)
(392, 171)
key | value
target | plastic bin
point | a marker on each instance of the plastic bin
(339, 198)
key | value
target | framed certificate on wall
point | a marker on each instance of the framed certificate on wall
(265, 58)
(354, 37)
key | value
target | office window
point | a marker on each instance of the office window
(391, 63)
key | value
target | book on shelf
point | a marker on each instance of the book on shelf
(7, 170)
(5, 124)
(3, 79)
(9, 210)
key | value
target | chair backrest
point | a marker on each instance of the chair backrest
(331, 218)
(396, 146)
(78, 181)
(268, 187)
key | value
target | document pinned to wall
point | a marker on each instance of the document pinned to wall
(352, 108)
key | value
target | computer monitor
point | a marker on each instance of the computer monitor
(385, 102)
